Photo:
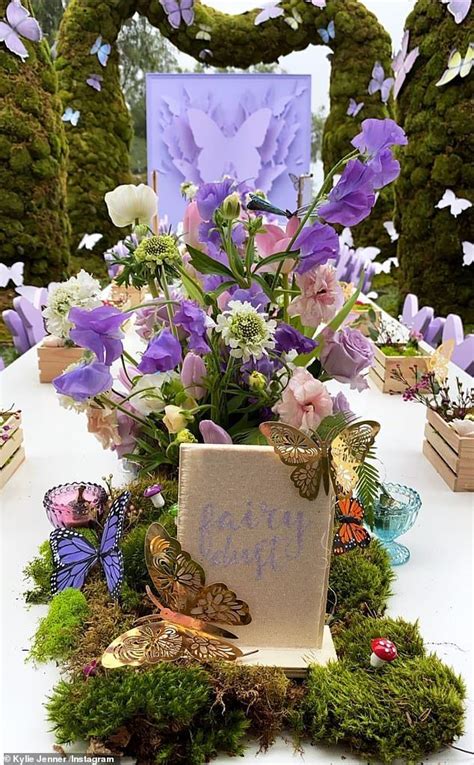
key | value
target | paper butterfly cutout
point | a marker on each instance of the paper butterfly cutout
(74, 555)
(457, 65)
(386, 266)
(336, 458)
(178, 11)
(403, 63)
(391, 230)
(205, 53)
(101, 50)
(458, 8)
(438, 362)
(95, 81)
(270, 10)
(17, 24)
(89, 241)
(351, 532)
(327, 34)
(354, 108)
(12, 273)
(71, 115)
(317, 3)
(203, 33)
(380, 82)
(294, 20)
(217, 149)
(456, 204)
(187, 608)
(468, 253)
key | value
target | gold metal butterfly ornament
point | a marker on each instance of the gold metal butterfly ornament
(183, 624)
(334, 459)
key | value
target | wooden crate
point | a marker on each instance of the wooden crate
(122, 296)
(450, 454)
(12, 453)
(381, 371)
(52, 361)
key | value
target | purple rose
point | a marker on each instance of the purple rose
(352, 198)
(85, 381)
(211, 195)
(213, 434)
(99, 331)
(287, 339)
(345, 355)
(341, 404)
(317, 244)
(162, 354)
(193, 320)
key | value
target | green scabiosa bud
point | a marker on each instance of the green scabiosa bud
(257, 381)
(158, 250)
(185, 437)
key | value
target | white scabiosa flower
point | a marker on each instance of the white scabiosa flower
(81, 291)
(247, 332)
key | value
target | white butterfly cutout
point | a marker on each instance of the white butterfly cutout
(456, 204)
(458, 8)
(468, 253)
(270, 10)
(391, 230)
(89, 241)
(386, 266)
(12, 273)
(71, 115)
(294, 20)
(220, 153)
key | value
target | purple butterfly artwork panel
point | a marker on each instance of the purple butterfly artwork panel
(255, 127)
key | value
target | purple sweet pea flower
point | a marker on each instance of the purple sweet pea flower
(345, 355)
(266, 366)
(375, 140)
(253, 295)
(193, 374)
(352, 198)
(317, 244)
(341, 404)
(85, 381)
(162, 354)
(213, 434)
(211, 195)
(99, 331)
(288, 339)
(193, 320)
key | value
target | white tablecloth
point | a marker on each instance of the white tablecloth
(435, 586)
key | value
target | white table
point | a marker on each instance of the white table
(435, 586)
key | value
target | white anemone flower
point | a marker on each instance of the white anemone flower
(128, 204)
(246, 331)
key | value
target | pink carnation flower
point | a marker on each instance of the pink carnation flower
(321, 296)
(305, 402)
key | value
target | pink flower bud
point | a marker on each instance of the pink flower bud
(193, 373)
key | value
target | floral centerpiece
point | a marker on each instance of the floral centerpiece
(246, 320)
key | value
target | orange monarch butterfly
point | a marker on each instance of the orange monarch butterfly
(351, 532)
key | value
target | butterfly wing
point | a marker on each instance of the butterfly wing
(292, 446)
(387, 85)
(176, 576)
(349, 536)
(468, 61)
(216, 603)
(348, 451)
(438, 362)
(187, 11)
(205, 648)
(96, 46)
(350, 507)
(73, 557)
(332, 30)
(307, 479)
(378, 75)
(454, 67)
(12, 41)
(247, 139)
(144, 645)
(323, 33)
(110, 555)
(103, 54)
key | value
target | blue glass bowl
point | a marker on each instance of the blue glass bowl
(393, 517)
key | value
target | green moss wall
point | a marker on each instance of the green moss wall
(440, 127)
(99, 144)
(34, 226)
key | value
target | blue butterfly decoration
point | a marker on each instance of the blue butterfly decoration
(102, 50)
(327, 34)
(71, 115)
(74, 555)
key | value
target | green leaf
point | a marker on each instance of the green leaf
(193, 289)
(206, 265)
(368, 489)
(276, 258)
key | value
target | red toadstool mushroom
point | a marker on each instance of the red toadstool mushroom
(383, 650)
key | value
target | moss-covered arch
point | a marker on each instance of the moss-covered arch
(99, 144)
(34, 226)
(439, 125)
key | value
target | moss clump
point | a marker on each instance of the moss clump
(438, 156)
(353, 641)
(34, 225)
(390, 350)
(57, 632)
(39, 570)
(361, 580)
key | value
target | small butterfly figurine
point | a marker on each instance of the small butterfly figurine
(71, 115)
(101, 50)
(295, 180)
(12, 273)
(269, 11)
(380, 83)
(74, 555)
(456, 205)
(391, 230)
(468, 253)
(458, 8)
(354, 108)
(335, 459)
(95, 81)
(327, 34)
(351, 533)
(457, 66)
(178, 11)
(17, 24)
(403, 63)
(186, 612)
(294, 20)
(438, 362)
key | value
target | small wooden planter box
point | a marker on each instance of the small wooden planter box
(381, 371)
(12, 453)
(122, 296)
(450, 454)
(52, 361)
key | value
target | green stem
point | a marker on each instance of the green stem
(286, 297)
(169, 310)
(152, 287)
(114, 405)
